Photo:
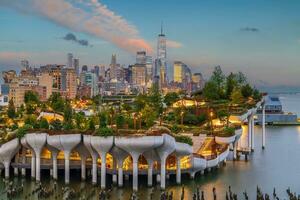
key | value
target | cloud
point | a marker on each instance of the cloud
(73, 38)
(86, 16)
(250, 29)
(173, 44)
(12, 56)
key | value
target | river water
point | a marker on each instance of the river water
(277, 166)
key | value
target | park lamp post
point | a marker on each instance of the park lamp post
(211, 114)
(181, 114)
(141, 115)
(134, 120)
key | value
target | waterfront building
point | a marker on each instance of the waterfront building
(274, 112)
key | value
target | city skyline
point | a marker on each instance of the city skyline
(248, 37)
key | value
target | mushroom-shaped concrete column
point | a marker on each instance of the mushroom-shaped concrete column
(65, 143)
(102, 145)
(54, 153)
(181, 150)
(27, 146)
(119, 155)
(135, 146)
(164, 151)
(37, 141)
(87, 143)
(150, 156)
(7, 151)
(84, 154)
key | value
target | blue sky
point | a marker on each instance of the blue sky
(260, 38)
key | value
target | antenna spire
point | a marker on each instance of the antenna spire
(161, 28)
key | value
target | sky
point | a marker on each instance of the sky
(259, 38)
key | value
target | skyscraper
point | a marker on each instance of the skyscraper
(25, 64)
(149, 68)
(141, 57)
(162, 58)
(113, 67)
(70, 60)
(76, 66)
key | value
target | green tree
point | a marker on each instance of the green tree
(210, 91)
(231, 83)
(31, 97)
(241, 78)
(171, 98)
(236, 96)
(102, 119)
(79, 120)
(68, 112)
(247, 91)
(155, 99)
(120, 121)
(190, 118)
(91, 124)
(32, 121)
(11, 111)
(148, 116)
(219, 78)
(56, 102)
(256, 94)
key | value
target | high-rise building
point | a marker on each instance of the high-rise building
(97, 70)
(84, 68)
(198, 81)
(24, 64)
(70, 60)
(141, 57)
(149, 69)
(68, 82)
(162, 58)
(46, 80)
(91, 80)
(76, 66)
(102, 72)
(113, 67)
(138, 75)
(182, 75)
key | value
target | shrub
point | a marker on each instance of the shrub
(120, 121)
(91, 124)
(202, 118)
(175, 129)
(56, 125)
(190, 119)
(105, 132)
(229, 131)
(43, 123)
(21, 132)
(184, 139)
